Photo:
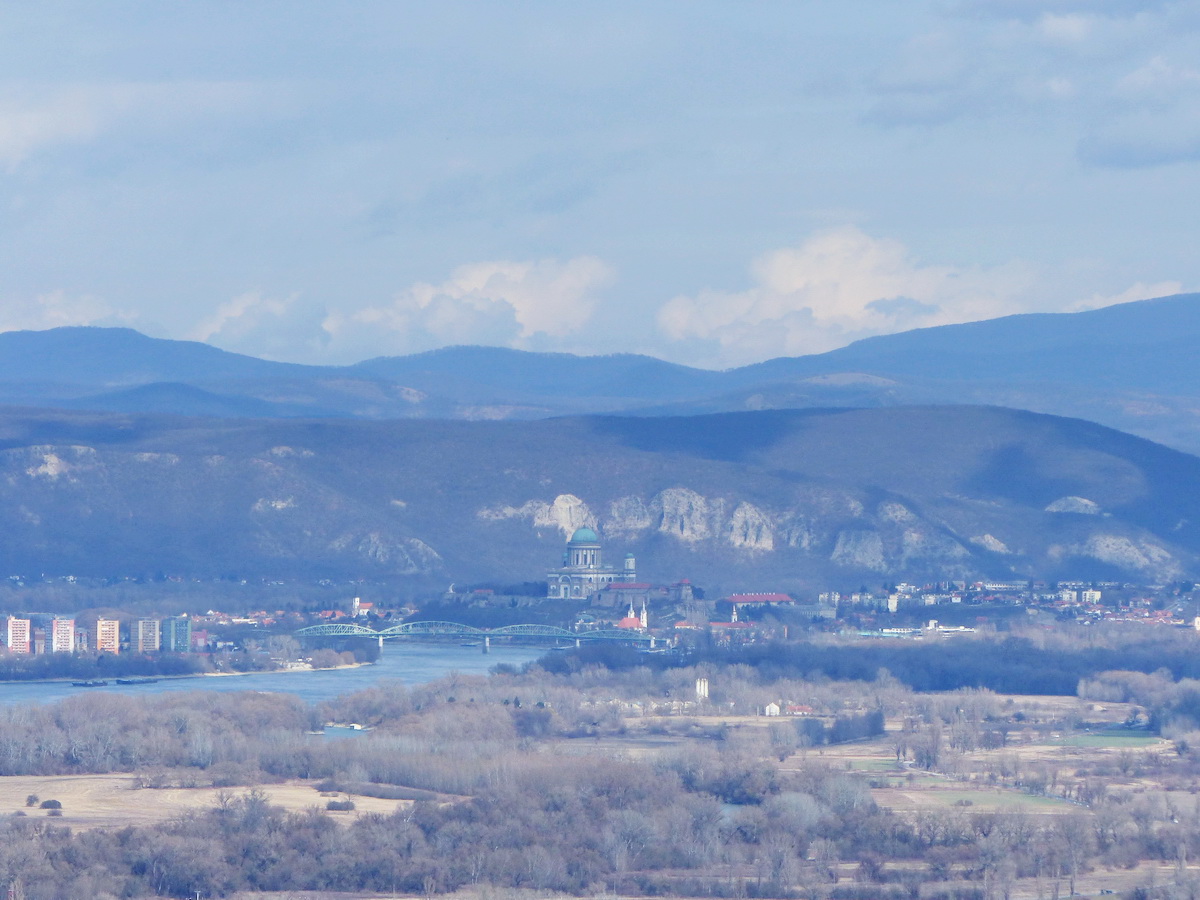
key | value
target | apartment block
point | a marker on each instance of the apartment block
(147, 635)
(62, 636)
(108, 636)
(17, 636)
(177, 635)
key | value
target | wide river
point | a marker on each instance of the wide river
(408, 663)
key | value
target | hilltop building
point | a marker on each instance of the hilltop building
(583, 572)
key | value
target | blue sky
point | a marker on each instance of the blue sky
(712, 183)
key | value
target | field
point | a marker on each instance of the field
(1062, 741)
(92, 801)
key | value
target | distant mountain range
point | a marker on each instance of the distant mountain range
(1127, 366)
(770, 500)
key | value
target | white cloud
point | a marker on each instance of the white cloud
(1138, 291)
(1071, 28)
(843, 285)
(838, 286)
(284, 328)
(26, 126)
(57, 309)
(1026, 61)
(501, 302)
(37, 118)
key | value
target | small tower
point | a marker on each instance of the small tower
(644, 617)
(630, 573)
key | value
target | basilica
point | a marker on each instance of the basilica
(583, 572)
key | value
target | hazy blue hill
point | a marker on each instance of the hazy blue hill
(185, 400)
(756, 501)
(1127, 366)
(480, 374)
(1144, 345)
(122, 356)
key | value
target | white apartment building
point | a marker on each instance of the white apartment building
(17, 637)
(62, 636)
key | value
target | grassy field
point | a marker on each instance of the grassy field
(1114, 740)
(92, 801)
(983, 800)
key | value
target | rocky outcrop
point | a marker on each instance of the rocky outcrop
(566, 513)
(991, 543)
(687, 515)
(888, 537)
(750, 528)
(1124, 552)
(859, 549)
(409, 556)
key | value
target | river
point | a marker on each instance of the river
(409, 663)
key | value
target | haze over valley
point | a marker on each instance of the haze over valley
(544, 451)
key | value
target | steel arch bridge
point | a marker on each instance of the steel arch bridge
(455, 629)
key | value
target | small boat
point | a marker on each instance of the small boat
(96, 683)
(137, 681)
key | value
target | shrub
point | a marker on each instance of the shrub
(51, 804)
(340, 805)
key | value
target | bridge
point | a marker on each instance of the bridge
(458, 630)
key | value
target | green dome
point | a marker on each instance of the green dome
(585, 536)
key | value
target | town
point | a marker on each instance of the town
(587, 595)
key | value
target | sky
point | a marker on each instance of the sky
(712, 183)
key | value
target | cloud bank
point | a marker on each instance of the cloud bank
(504, 303)
(835, 287)
(842, 285)
(521, 304)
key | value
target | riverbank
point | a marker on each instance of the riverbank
(411, 664)
(282, 671)
(285, 671)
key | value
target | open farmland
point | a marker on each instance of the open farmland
(94, 801)
(617, 782)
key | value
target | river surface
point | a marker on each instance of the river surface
(408, 663)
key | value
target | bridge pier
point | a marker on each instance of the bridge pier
(381, 645)
(487, 643)
(578, 642)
